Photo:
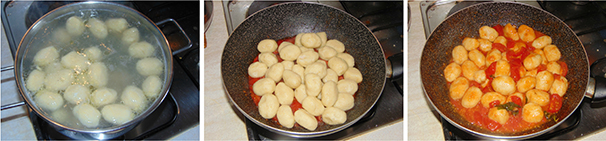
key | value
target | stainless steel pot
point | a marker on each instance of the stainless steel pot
(33, 41)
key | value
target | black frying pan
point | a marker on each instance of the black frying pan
(466, 23)
(287, 20)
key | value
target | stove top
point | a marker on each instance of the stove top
(179, 21)
(587, 20)
(385, 20)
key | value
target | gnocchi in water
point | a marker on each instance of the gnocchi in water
(304, 81)
(513, 82)
(105, 77)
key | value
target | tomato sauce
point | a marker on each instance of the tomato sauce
(478, 116)
(516, 52)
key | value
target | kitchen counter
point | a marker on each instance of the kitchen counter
(221, 121)
(16, 124)
(423, 120)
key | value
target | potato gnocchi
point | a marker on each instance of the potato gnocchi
(515, 80)
(306, 80)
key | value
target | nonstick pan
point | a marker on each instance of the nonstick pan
(287, 20)
(466, 23)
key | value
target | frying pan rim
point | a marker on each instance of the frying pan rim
(308, 134)
(491, 136)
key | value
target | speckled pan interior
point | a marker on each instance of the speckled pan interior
(287, 20)
(466, 23)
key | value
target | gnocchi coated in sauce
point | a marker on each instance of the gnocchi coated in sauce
(103, 73)
(304, 81)
(509, 79)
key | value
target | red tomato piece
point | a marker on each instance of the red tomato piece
(289, 39)
(279, 42)
(492, 125)
(499, 46)
(488, 87)
(525, 53)
(499, 29)
(516, 49)
(530, 48)
(256, 59)
(515, 73)
(517, 100)
(490, 70)
(494, 103)
(541, 68)
(476, 84)
(555, 103)
(295, 106)
(510, 43)
(255, 98)
(478, 118)
(251, 82)
(563, 68)
(515, 62)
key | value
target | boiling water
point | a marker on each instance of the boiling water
(120, 65)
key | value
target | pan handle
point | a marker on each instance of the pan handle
(599, 96)
(394, 66)
(596, 89)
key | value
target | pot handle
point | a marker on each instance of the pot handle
(596, 89)
(176, 36)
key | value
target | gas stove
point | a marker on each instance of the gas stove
(586, 19)
(179, 21)
(385, 20)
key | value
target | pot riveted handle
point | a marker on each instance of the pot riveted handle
(178, 40)
(597, 83)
